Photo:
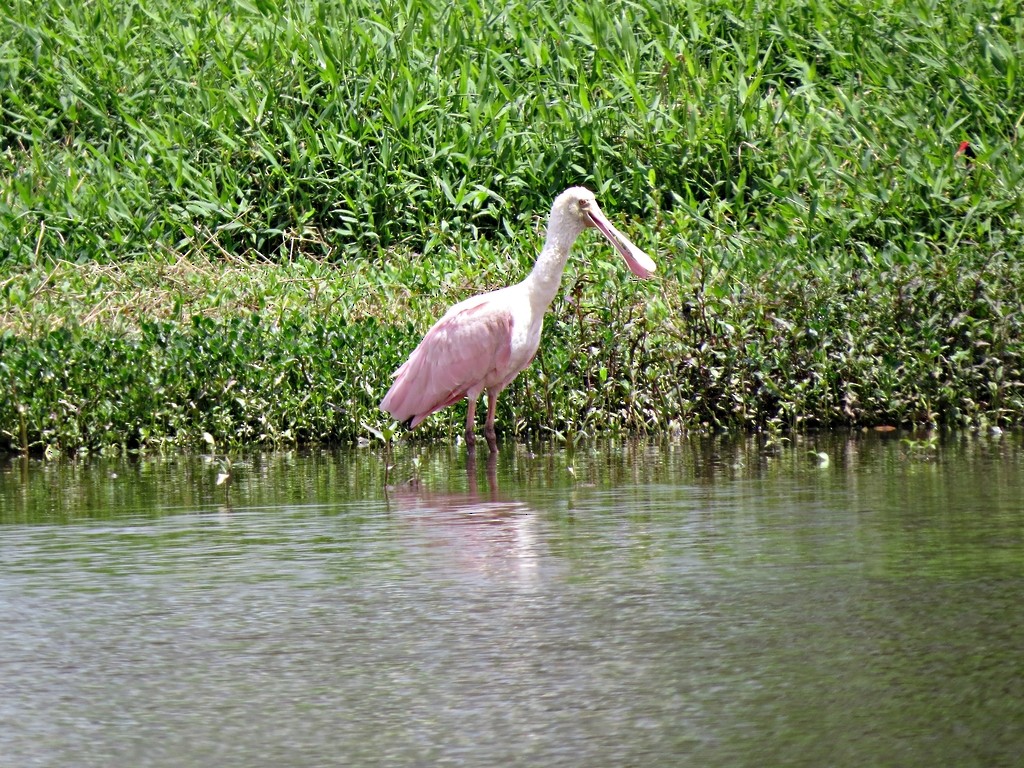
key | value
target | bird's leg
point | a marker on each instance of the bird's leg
(470, 418)
(489, 433)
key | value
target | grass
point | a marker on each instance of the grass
(213, 214)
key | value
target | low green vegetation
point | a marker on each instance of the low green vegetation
(238, 218)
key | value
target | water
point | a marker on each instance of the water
(701, 602)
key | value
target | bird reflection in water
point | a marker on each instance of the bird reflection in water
(476, 533)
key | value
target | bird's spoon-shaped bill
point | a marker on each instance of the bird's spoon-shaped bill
(639, 263)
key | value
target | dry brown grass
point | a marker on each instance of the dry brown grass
(121, 296)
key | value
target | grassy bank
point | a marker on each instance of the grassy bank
(285, 354)
(237, 218)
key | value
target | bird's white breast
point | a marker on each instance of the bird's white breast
(526, 328)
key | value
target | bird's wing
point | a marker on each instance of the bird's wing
(463, 349)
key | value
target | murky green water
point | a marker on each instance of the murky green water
(701, 603)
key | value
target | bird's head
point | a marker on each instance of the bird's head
(580, 206)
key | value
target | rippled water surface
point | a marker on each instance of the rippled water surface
(702, 602)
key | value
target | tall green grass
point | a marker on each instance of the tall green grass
(267, 203)
(344, 127)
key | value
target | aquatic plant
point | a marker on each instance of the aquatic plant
(917, 344)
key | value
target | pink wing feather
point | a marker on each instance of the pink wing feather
(470, 345)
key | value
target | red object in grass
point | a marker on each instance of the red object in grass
(966, 150)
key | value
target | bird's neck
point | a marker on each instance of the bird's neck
(546, 277)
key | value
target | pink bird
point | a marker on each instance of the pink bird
(484, 342)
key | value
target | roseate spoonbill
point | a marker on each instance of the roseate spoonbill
(484, 342)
